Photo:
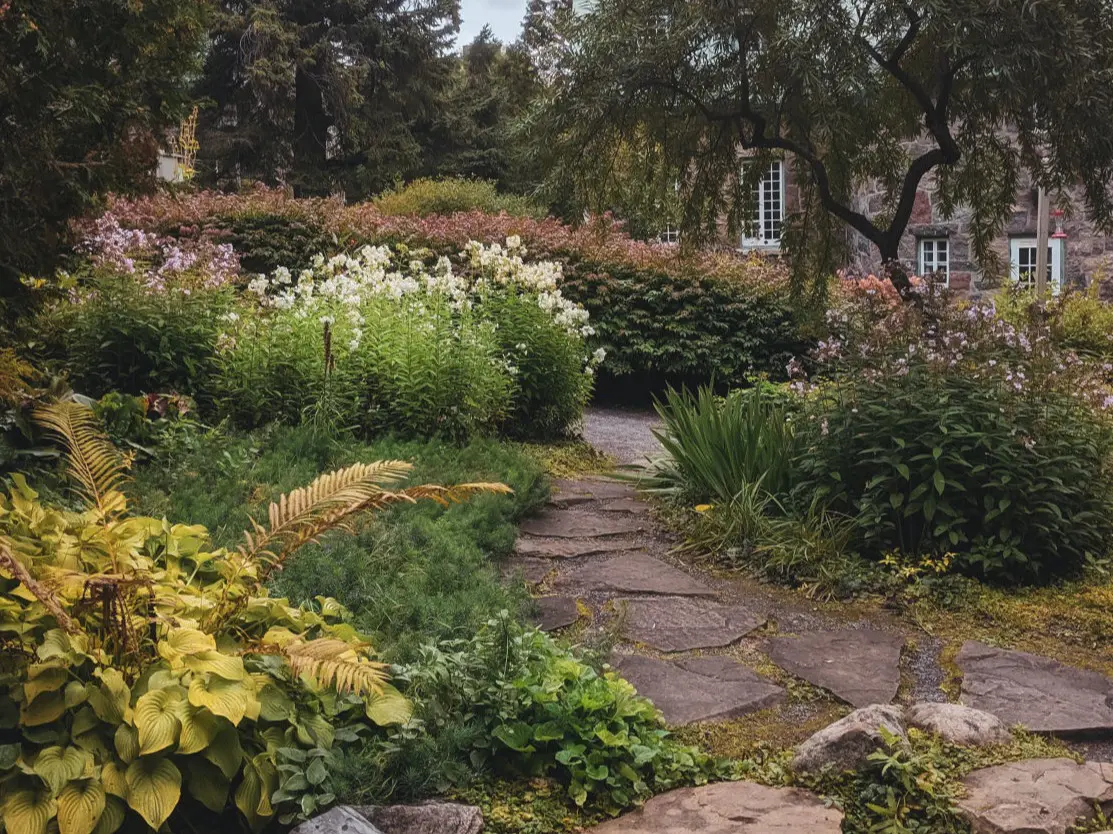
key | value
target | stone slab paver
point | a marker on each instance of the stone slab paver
(529, 570)
(729, 808)
(860, 666)
(572, 492)
(555, 613)
(632, 573)
(571, 548)
(698, 688)
(1036, 796)
(629, 506)
(577, 524)
(679, 624)
(1044, 695)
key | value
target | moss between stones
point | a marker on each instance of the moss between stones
(570, 459)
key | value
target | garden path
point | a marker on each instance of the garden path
(708, 647)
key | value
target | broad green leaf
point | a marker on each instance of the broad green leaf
(111, 700)
(80, 805)
(50, 706)
(58, 765)
(389, 707)
(182, 642)
(28, 811)
(126, 742)
(199, 728)
(225, 751)
(156, 719)
(207, 784)
(112, 776)
(316, 773)
(115, 810)
(43, 678)
(154, 788)
(213, 661)
(253, 794)
(221, 696)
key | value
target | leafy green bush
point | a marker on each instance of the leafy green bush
(424, 197)
(948, 430)
(551, 384)
(510, 702)
(716, 447)
(125, 337)
(686, 327)
(267, 241)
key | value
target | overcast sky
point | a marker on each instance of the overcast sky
(503, 16)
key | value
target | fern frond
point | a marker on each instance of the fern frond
(302, 515)
(336, 664)
(93, 462)
(453, 494)
(19, 572)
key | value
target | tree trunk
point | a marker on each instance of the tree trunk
(891, 266)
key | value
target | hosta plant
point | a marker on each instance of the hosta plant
(143, 666)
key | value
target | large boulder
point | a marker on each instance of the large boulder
(729, 808)
(1042, 694)
(848, 742)
(1036, 796)
(958, 724)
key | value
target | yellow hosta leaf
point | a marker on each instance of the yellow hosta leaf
(28, 811)
(115, 810)
(112, 777)
(156, 719)
(199, 728)
(126, 742)
(75, 694)
(80, 805)
(183, 642)
(112, 699)
(213, 661)
(58, 765)
(207, 784)
(222, 696)
(41, 678)
(154, 788)
(260, 780)
(46, 708)
(225, 751)
(391, 707)
(279, 636)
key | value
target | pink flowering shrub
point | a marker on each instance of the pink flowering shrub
(947, 430)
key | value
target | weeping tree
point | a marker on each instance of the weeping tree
(323, 94)
(859, 91)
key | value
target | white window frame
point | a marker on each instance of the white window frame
(767, 202)
(1055, 261)
(928, 259)
(670, 234)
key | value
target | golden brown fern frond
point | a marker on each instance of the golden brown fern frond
(453, 494)
(336, 664)
(19, 572)
(302, 515)
(93, 462)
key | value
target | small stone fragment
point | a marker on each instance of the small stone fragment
(1036, 796)
(698, 688)
(729, 808)
(848, 742)
(958, 724)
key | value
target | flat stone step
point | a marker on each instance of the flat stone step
(680, 624)
(529, 570)
(569, 493)
(554, 613)
(571, 548)
(577, 524)
(632, 573)
(1044, 695)
(628, 506)
(729, 808)
(698, 688)
(1036, 796)
(860, 666)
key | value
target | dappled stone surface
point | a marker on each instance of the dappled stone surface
(571, 548)
(848, 742)
(629, 506)
(555, 612)
(861, 666)
(425, 818)
(678, 624)
(698, 688)
(577, 524)
(529, 570)
(729, 808)
(1044, 695)
(633, 573)
(958, 724)
(343, 819)
(1037, 796)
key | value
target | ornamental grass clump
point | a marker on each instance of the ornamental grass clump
(946, 430)
(152, 677)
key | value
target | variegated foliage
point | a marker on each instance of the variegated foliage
(143, 663)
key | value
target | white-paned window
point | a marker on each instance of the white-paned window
(1022, 263)
(935, 257)
(769, 209)
(669, 234)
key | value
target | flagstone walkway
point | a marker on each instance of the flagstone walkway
(706, 646)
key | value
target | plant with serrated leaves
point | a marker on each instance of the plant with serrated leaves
(142, 663)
